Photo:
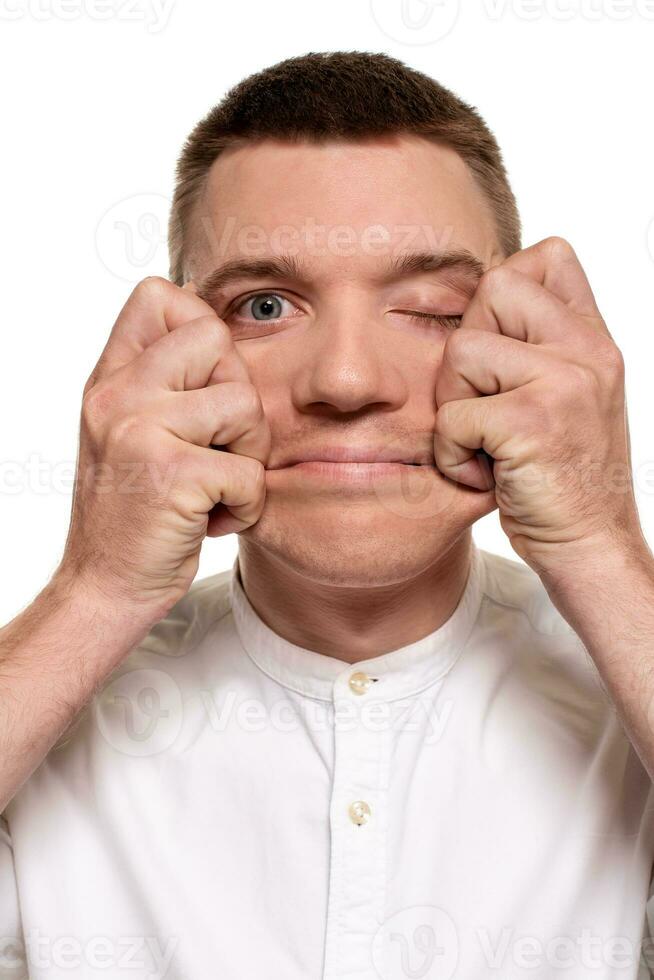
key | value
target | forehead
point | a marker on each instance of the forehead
(343, 202)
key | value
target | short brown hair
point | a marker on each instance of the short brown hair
(340, 94)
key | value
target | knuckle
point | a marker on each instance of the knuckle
(579, 386)
(97, 403)
(604, 376)
(211, 321)
(214, 328)
(460, 343)
(128, 433)
(558, 247)
(579, 377)
(256, 476)
(248, 400)
(613, 360)
(245, 478)
(443, 420)
(152, 288)
(90, 382)
(494, 280)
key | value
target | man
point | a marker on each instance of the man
(369, 749)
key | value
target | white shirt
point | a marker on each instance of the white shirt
(233, 806)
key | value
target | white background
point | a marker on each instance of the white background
(98, 96)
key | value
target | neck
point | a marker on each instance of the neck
(354, 624)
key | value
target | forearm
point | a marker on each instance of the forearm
(609, 602)
(53, 657)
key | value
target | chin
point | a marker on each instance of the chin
(356, 546)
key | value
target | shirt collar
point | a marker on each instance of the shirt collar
(399, 673)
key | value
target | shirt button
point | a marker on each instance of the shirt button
(359, 682)
(359, 812)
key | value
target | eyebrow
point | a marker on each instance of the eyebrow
(460, 262)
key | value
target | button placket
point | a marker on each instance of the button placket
(358, 834)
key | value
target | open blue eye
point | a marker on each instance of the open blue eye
(266, 306)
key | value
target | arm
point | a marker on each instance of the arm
(554, 422)
(169, 387)
(609, 602)
(53, 657)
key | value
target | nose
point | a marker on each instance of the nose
(349, 363)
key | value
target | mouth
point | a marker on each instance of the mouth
(365, 466)
(359, 455)
(349, 462)
(354, 473)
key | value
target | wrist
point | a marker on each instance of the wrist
(592, 580)
(104, 600)
(602, 557)
(114, 622)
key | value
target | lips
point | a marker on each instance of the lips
(352, 454)
(348, 462)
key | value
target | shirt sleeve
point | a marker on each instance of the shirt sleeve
(12, 947)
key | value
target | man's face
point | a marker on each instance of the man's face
(339, 341)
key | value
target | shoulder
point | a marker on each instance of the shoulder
(520, 624)
(511, 588)
(204, 606)
(174, 659)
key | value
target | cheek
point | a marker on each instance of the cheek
(270, 373)
(420, 367)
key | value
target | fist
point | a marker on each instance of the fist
(173, 446)
(531, 406)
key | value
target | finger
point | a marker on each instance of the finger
(229, 414)
(154, 307)
(553, 264)
(476, 362)
(230, 488)
(510, 303)
(465, 428)
(198, 353)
